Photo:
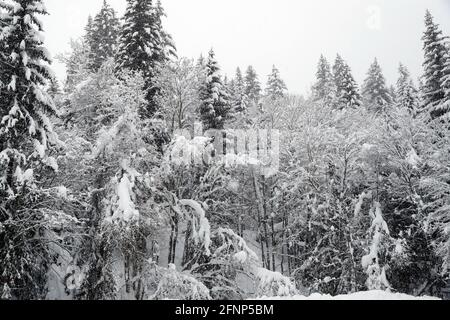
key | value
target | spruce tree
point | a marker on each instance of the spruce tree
(407, 94)
(252, 86)
(238, 97)
(434, 64)
(276, 87)
(89, 32)
(214, 106)
(324, 88)
(26, 135)
(445, 82)
(375, 92)
(103, 34)
(347, 92)
(143, 46)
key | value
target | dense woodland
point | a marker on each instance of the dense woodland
(95, 205)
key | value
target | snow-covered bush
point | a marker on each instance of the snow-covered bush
(273, 284)
(175, 285)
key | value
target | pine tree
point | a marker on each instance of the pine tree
(103, 34)
(214, 106)
(26, 135)
(445, 82)
(393, 93)
(375, 92)
(324, 88)
(276, 87)
(143, 46)
(434, 64)
(238, 97)
(347, 92)
(89, 32)
(407, 95)
(54, 88)
(252, 86)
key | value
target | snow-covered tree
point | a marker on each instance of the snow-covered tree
(445, 107)
(434, 64)
(179, 82)
(214, 108)
(324, 88)
(252, 86)
(347, 91)
(375, 92)
(103, 34)
(77, 63)
(89, 32)
(276, 87)
(143, 46)
(371, 262)
(238, 96)
(27, 140)
(407, 94)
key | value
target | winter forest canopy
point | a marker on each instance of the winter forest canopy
(146, 175)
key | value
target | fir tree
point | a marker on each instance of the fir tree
(103, 34)
(375, 92)
(89, 32)
(347, 92)
(252, 86)
(26, 135)
(214, 106)
(54, 88)
(445, 107)
(407, 95)
(434, 65)
(238, 97)
(393, 93)
(324, 88)
(276, 87)
(143, 46)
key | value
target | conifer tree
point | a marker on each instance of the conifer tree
(26, 135)
(434, 64)
(375, 92)
(276, 87)
(238, 97)
(54, 87)
(324, 88)
(445, 107)
(214, 106)
(252, 86)
(89, 32)
(103, 34)
(143, 46)
(347, 92)
(407, 94)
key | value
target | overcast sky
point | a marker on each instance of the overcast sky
(288, 33)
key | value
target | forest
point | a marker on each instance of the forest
(144, 175)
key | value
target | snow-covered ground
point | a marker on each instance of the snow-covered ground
(367, 295)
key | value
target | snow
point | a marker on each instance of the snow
(39, 148)
(203, 233)
(241, 257)
(189, 151)
(52, 163)
(272, 283)
(412, 158)
(62, 192)
(365, 295)
(23, 177)
(127, 210)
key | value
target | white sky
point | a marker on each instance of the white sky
(288, 33)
